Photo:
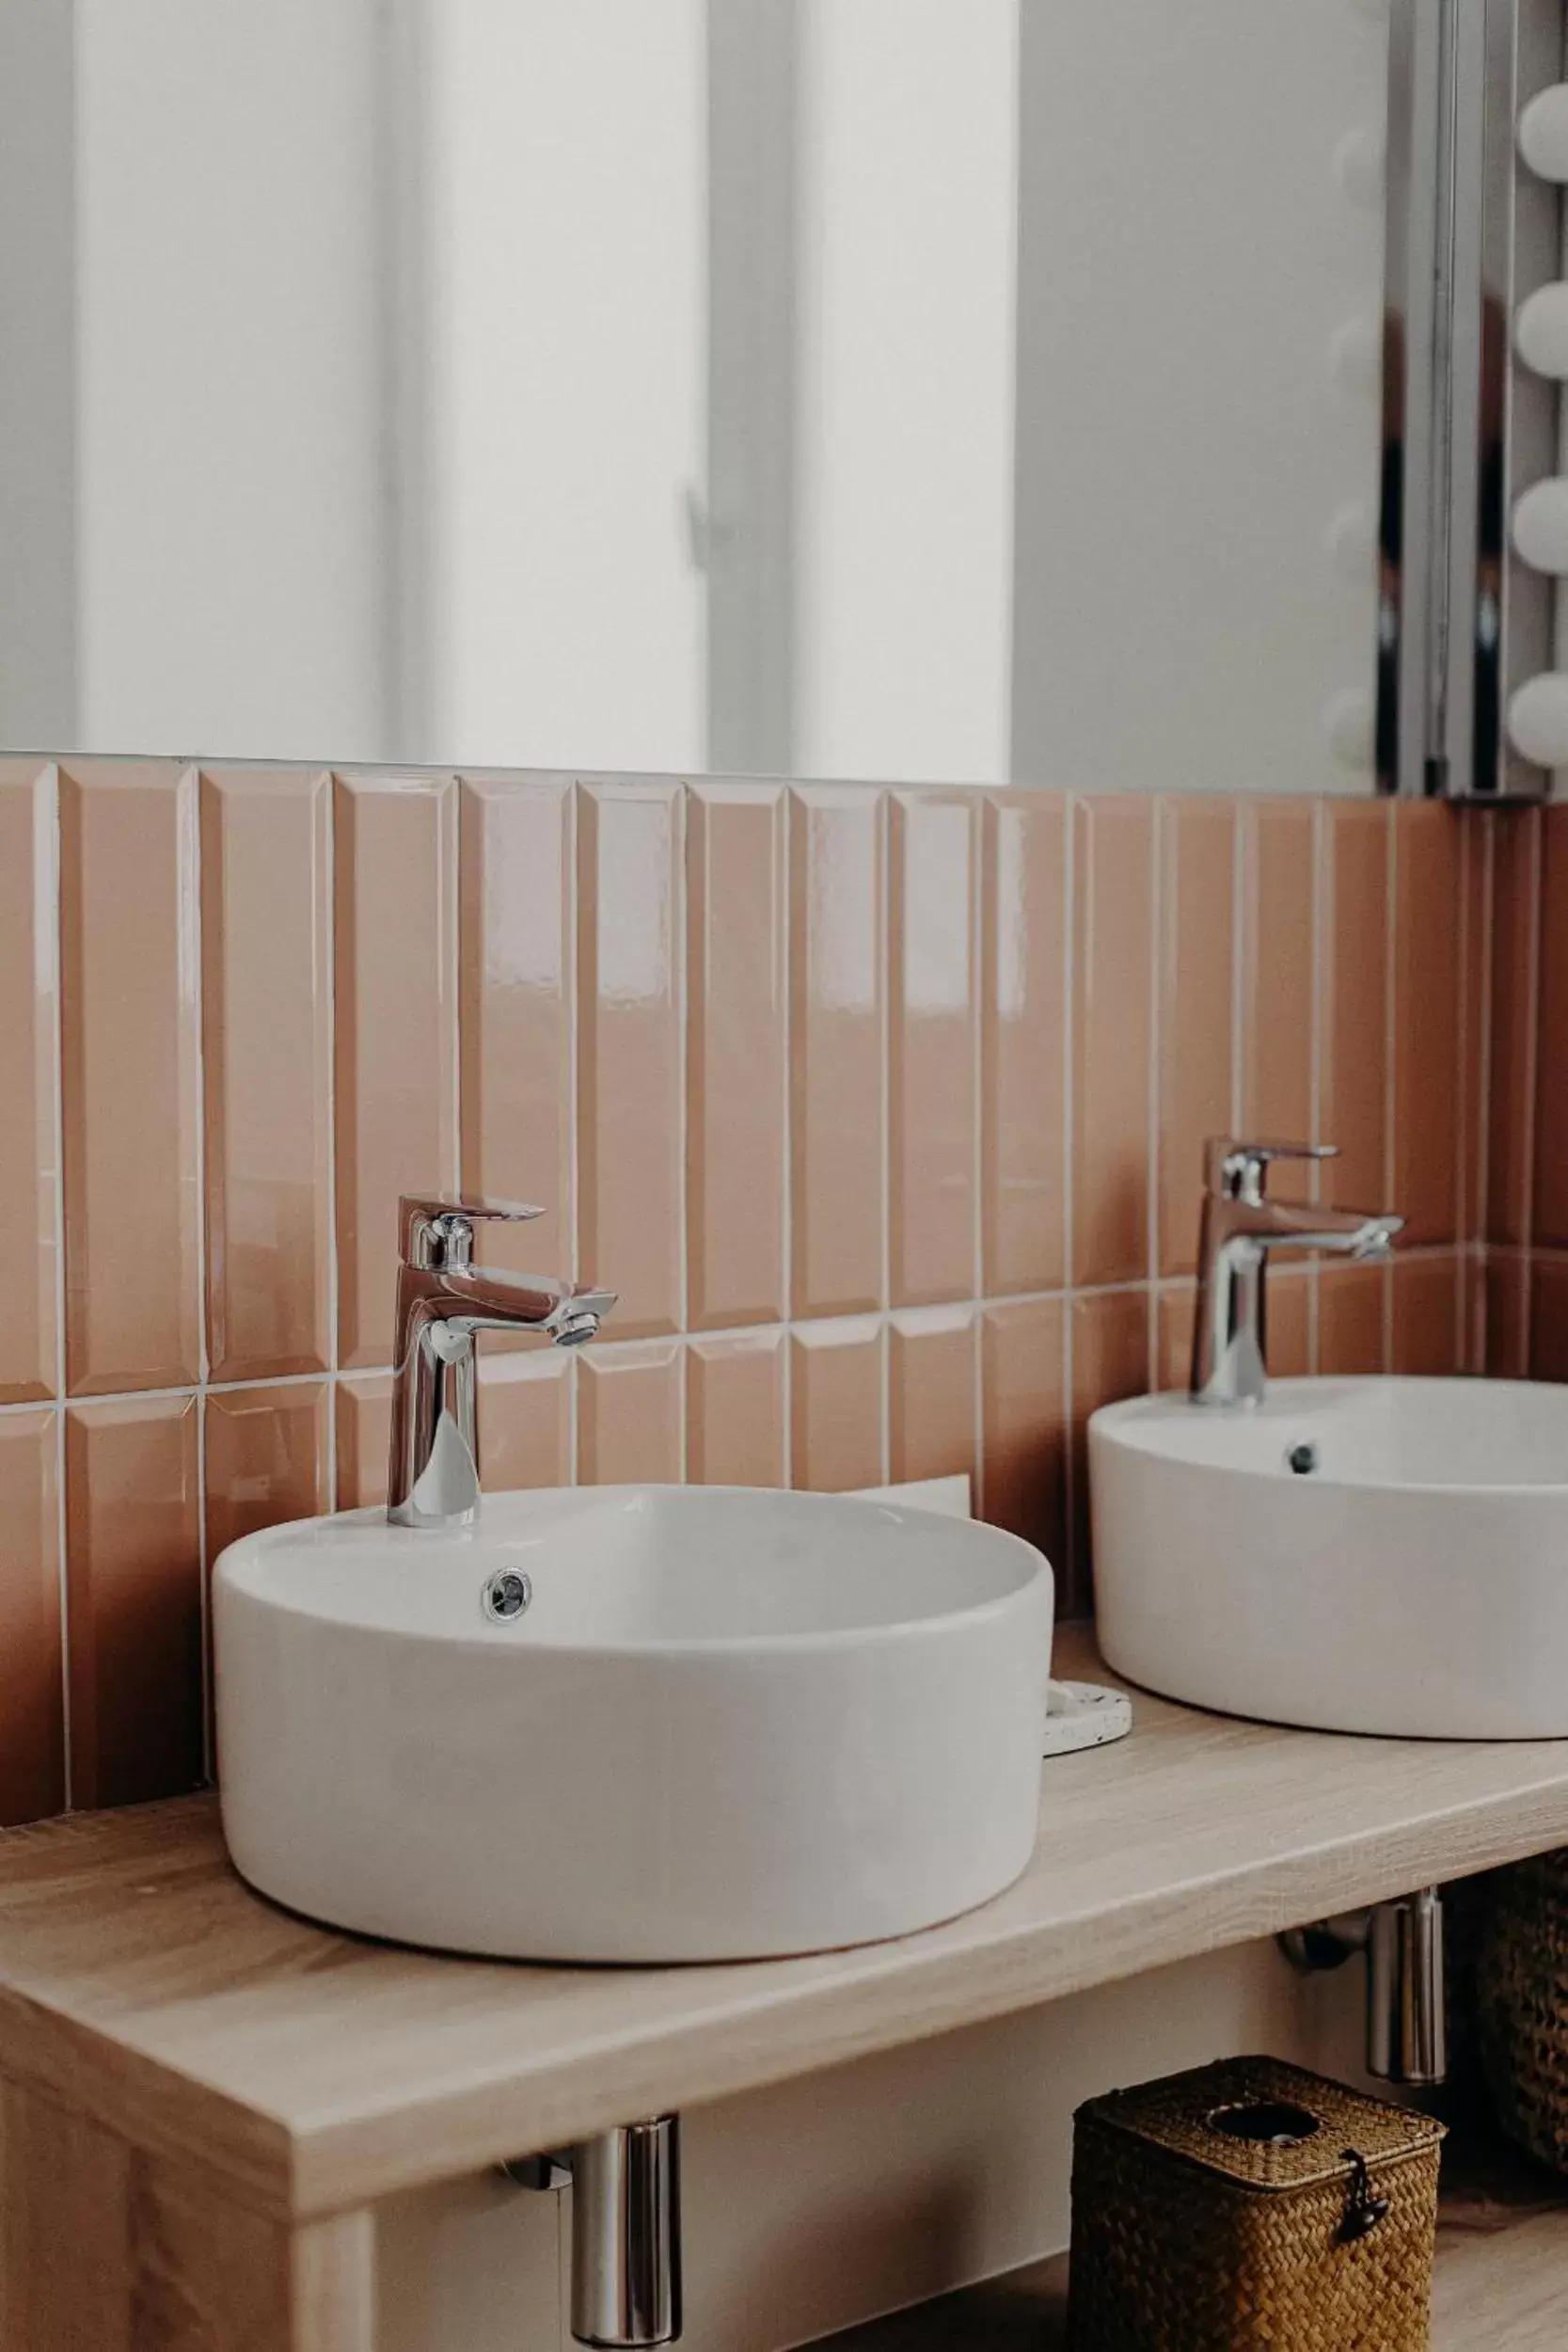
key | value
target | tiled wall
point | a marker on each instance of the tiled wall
(1526, 1205)
(883, 1111)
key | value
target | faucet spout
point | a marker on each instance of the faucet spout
(1241, 1228)
(443, 1301)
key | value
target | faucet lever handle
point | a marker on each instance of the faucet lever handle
(436, 1230)
(1235, 1170)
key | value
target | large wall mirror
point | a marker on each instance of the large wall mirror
(962, 390)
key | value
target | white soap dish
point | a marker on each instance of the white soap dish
(1084, 1715)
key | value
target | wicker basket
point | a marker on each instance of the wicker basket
(1249, 2203)
(1522, 2006)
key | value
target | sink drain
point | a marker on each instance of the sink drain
(506, 1595)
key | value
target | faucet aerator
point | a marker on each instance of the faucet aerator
(575, 1329)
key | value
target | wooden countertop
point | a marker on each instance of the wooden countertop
(142, 1984)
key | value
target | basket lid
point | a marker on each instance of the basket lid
(1266, 2124)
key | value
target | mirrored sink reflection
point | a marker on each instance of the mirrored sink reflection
(633, 1724)
(1376, 1555)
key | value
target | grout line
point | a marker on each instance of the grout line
(1162, 922)
(49, 903)
(572, 974)
(1069, 1113)
(981, 845)
(786, 1255)
(681, 950)
(891, 959)
(1242, 887)
(191, 952)
(1390, 1069)
(327, 981)
(1316, 1025)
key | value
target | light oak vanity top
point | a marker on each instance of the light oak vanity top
(142, 1986)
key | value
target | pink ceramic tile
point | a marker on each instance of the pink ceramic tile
(1289, 1321)
(736, 1054)
(932, 1210)
(130, 1077)
(1505, 1345)
(629, 1414)
(735, 1411)
(932, 1380)
(1176, 1312)
(525, 1419)
(1516, 944)
(1197, 895)
(135, 1578)
(1429, 976)
(514, 1012)
(1354, 1019)
(1112, 972)
(32, 1730)
(1110, 1361)
(396, 1042)
(1278, 1000)
(1551, 1091)
(837, 844)
(1351, 1318)
(363, 1407)
(1476, 840)
(836, 1405)
(266, 1459)
(268, 1075)
(1023, 1042)
(1548, 1319)
(1426, 1315)
(28, 1155)
(1023, 1364)
(629, 1134)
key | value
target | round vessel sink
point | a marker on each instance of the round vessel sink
(633, 1724)
(1383, 1555)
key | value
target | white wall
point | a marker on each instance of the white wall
(906, 112)
(567, 268)
(232, 541)
(1199, 320)
(841, 2195)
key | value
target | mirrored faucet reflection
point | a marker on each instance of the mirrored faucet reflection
(1239, 1231)
(443, 1300)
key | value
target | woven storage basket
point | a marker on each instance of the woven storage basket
(1314, 2236)
(1522, 2005)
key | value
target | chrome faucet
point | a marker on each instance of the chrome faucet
(443, 1300)
(1239, 1231)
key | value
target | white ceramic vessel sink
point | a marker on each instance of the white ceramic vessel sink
(727, 1724)
(1408, 1575)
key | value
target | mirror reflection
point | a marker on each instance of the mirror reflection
(939, 389)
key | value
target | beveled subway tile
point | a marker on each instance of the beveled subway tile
(1024, 1373)
(514, 991)
(1426, 1315)
(1176, 1312)
(931, 1376)
(1428, 977)
(1112, 972)
(1353, 1002)
(735, 1433)
(836, 1405)
(362, 1408)
(1516, 845)
(268, 1075)
(932, 1210)
(525, 1419)
(134, 1584)
(1548, 1319)
(1023, 1042)
(1279, 999)
(396, 1036)
(130, 1078)
(32, 1711)
(1551, 1061)
(629, 1109)
(1477, 839)
(1110, 1361)
(1351, 1319)
(629, 1414)
(1506, 1350)
(837, 926)
(29, 1168)
(736, 1052)
(266, 1459)
(1197, 970)
(1289, 1335)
